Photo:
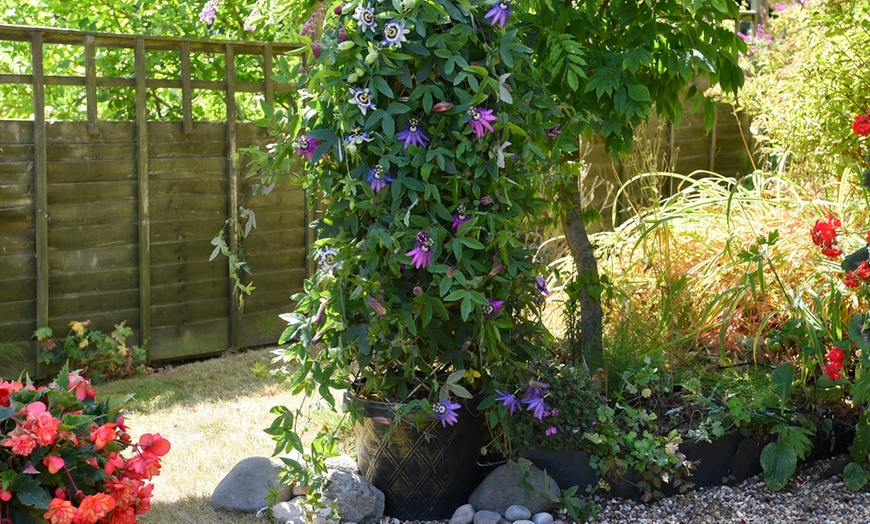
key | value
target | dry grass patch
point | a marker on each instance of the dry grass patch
(213, 412)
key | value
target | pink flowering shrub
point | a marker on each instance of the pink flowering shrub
(68, 459)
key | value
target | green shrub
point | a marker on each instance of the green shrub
(807, 77)
(97, 355)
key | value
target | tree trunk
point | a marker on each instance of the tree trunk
(587, 277)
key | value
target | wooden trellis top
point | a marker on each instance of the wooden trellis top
(40, 36)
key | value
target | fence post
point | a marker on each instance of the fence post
(186, 91)
(144, 194)
(91, 84)
(40, 174)
(233, 184)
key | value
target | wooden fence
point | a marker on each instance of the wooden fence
(112, 221)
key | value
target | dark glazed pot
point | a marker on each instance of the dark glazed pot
(425, 474)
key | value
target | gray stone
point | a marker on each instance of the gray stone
(487, 517)
(343, 463)
(357, 499)
(517, 512)
(523, 522)
(246, 486)
(505, 486)
(463, 515)
(290, 512)
(542, 518)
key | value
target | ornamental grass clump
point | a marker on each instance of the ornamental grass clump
(68, 457)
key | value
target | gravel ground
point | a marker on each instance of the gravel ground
(815, 495)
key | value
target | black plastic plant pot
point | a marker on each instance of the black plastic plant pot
(426, 473)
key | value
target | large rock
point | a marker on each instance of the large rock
(358, 500)
(246, 486)
(506, 486)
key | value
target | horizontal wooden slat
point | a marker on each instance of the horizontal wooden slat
(16, 132)
(101, 278)
(77, 133)
(93, 170)
(18, 312)
(16, 241)
(91, 192)
(181, 169)
(189, 311)
(17, 287)
(165, 273)
(187, 340)
(16, 172)
(110, 211)
(95, 302)
(69, 261)
(93, 236)
(97, 151)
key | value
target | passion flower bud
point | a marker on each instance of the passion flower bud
(418, 290)
(315, 49)
(344, 46)
(450, 272)
(316, 338)
(338, 9)
(377, 306)
(496, 270)
(440, 107)
(342, 35)
(321, 312)
(485, 200)
(371, 57)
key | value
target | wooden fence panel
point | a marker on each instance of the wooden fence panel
(131, 209)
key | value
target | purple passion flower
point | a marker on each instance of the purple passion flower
(366, 18)
(551, 431)
(209, 12)
(306, 146)
(362, 98)
(480, 120)
(536, 388)
(508, 400)
(357, 137)
(326, 259)
(460, 217)
(445, 412)
(541, 285)
(500, 12)
(536, 406)
(490, 310)
(394, 33)
(421, 255)
(413, 134)
(378, 178)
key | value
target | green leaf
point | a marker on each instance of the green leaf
(855, 477)
(466, 308)
(860, 449)
(857, 333)
(30, 492)
(781, 379)
(778, 460)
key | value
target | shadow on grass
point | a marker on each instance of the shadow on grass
(214, 380)
(194, 510)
